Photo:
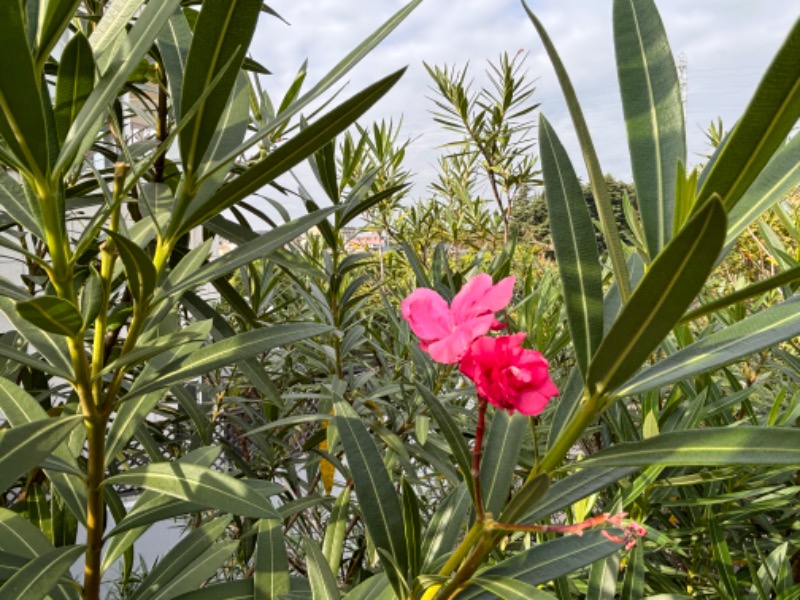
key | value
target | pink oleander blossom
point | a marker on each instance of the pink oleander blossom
(509, 376)
(446, 332)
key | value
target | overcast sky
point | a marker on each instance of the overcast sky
(727, 44)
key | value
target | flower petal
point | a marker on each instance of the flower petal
(427, 314)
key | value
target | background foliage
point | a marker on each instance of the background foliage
(181, 347)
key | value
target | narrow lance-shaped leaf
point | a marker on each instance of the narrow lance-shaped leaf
(180, 558)
(25, 447)
(739, 446)
(243, 254)
(575, 246)
(596, 178)
(335, 530)
(673, 281)
(500, 458)
(138, 266)
(12, 199)
(271, 575)
(52, 314)
(173, 43)
(223, 29)
(320, 576)
(140, 40)
(377, 497)
(55, 17)
(40, 575)
(546, 562)
(764, 329)
(287, 155)
(767, 120)
(22, 122)
(74, 83)
(199, 485)
(778, 178)
(450, 430)
(21, 537)
(241, 346)
(651, 101)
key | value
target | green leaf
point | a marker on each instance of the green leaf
(722, 559)
(223, 30)
(376, 587)
(220, 330)
(764, 329)
(138, 267)
(20, 409)
(767, 120)
(633, 584)
(603, 578)
(40, 575)
(52, 347)
(199, 485)
(151, 507)
(22, 121)
(778, 178)
(74, 83)
(450, 430)
(25, 447)
(377, 497)
(121, 63)
(271, 575)
(596, 177)
(320, 576)
(716, 446)
(445, 526)
(24, 358)
(413, 529)
(241, 589)
(569, 490)
(232, 350)
(333, 543)
(651, 101)
(575, 246)
(109, 34)
(52, 314)
(173, 43)
(19, 536)
(785, 278)
(511, 589)
(177, 571)
(525, 498)
(91, 297)
(244, 254)
(287, 155)
(56, 17)
(662, 296)
(500, 458)
(546, 562)
(12, 199)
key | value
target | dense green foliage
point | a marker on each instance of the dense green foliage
(181, 348)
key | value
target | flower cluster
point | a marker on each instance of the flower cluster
(505, 374)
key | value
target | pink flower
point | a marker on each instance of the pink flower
(446, 332)
(508, 375)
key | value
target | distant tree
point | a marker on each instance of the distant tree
(529, 213)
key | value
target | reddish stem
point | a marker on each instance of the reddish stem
(477, 453)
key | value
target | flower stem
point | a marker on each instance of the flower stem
(477, 453)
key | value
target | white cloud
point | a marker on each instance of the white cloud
(728, 44)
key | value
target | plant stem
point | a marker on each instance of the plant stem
(588, 410)
(95, 507)
(477, 453)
